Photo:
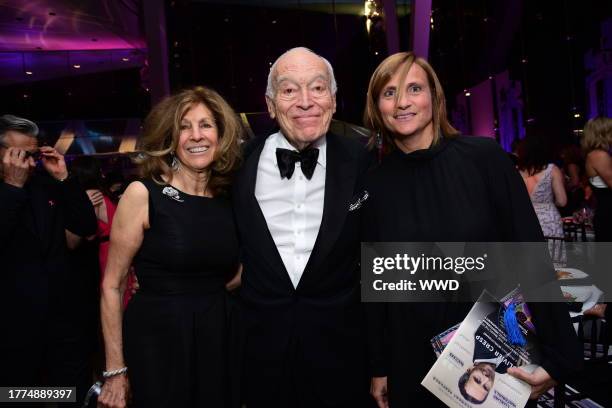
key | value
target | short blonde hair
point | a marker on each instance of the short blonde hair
(597, 134)
(401, 62)
(161, 132)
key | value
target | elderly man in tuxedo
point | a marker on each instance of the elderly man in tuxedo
(303, 342)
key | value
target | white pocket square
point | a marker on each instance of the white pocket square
(360, 199)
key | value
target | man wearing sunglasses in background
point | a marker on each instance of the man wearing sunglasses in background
(41, 342)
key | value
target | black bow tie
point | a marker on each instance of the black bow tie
(287, 158)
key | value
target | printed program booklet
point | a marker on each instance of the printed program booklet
(471, 369)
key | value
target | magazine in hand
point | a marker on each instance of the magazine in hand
(440, 341)
(471, 369)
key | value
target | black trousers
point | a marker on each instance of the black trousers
(288, 382)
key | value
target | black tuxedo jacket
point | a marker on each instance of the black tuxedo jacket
(312, 333)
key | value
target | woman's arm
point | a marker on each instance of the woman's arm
(601, 162)
(127, 233)
(561, 351)
(558, 187)
(573, 174)
(72, 240)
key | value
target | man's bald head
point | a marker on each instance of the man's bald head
(293, 52)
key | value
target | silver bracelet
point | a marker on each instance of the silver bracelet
(109, 374)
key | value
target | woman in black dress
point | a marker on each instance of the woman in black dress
(434, 186)
(177, 227)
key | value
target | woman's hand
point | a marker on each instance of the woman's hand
(539, 380)
(236, 281)
(115, 392)
(378, 390)
(95, 196)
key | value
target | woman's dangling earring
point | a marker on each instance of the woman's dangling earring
(379, 145)
(175, 163)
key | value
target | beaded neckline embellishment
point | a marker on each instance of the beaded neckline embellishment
(173, 194)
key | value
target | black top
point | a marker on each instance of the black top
(463, 189)
(35, 280)
(603, 214)
(191, 245)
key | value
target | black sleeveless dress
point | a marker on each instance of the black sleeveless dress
(174, 329)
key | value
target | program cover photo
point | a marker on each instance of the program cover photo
(471, 370)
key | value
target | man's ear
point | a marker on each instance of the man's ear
(271, 107)
(334, 103)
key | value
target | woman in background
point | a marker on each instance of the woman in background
(177, 227)
(544, 182)
(596, 143)
(88, 171)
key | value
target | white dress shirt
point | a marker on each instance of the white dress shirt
(293, 208)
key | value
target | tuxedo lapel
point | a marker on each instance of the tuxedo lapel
(256, 231)
(340, 178)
